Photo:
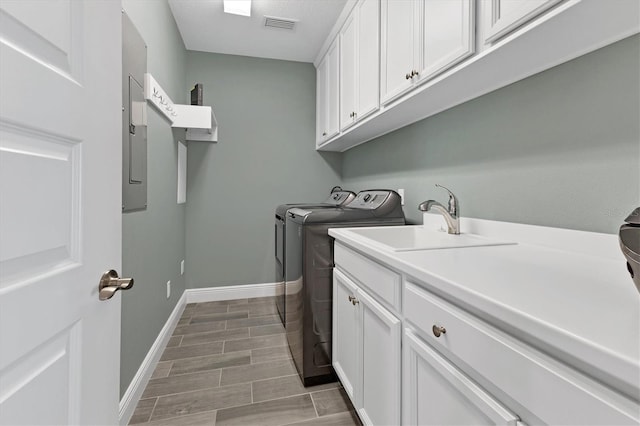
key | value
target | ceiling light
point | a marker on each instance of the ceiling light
(238, 7)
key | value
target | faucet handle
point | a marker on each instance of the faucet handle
(453, 201)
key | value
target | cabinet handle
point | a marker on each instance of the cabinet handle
(353, 300)
(324, 133)
(437, 331)
(407, 76)
(414, 73)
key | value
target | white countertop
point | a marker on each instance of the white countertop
(584, 309)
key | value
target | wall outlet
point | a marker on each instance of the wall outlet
(182, 267)
(401, 194)
(168, 288)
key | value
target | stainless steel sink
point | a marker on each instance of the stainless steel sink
(410, 238)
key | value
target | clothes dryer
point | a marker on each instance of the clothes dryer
(309, 274)
(336, 198)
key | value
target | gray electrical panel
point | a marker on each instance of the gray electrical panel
(134, 118)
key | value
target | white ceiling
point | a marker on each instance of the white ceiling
(205, 27)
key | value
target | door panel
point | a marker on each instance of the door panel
(504, 16)
(322, 91)
(60, 220)
(437, 393)
(348, 72)
(380, 363)
(345, 335)
(448, 35)
(333, 102)
(368, 63)
(398, 46)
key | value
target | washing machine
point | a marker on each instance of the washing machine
(309, 274)
(337, 197)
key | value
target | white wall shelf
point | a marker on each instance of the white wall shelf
(199, 121)
(154, 93)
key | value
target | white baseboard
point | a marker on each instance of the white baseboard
(246, 291)
(131, 397)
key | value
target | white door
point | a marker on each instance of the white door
(346, 353)
(60, 219)
(333, 103)
(504, 16)
(348, 71)
(448, 35)
(399, 27)
(368, 62)
(322, 91)
(381, 339)
(437, 393)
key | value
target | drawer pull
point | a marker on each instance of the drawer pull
(437, 331)
(353, 300)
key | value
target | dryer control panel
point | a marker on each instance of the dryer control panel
(338, 198)
(370, 200)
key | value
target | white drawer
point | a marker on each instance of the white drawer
(552, 391)
(385, 283)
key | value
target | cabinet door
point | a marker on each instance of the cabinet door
(380, 334)
(346, 348)
(333, 103)
(348, 71)
(504, 16)
(437, 393)
(447, 36)
(368, 63)
(399, 27)
(322, 90)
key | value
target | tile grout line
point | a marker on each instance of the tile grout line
(152, 410)
(314, 405)
(192, 390)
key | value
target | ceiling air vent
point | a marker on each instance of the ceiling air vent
(282, 23)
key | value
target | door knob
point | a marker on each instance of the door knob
(110, 283)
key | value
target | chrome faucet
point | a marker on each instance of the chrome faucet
(451, 214)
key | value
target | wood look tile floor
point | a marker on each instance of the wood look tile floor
(228, 363)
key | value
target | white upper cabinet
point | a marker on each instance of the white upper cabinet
(348, 72)
(421, 39)
(321, 101)
(447, 36)
(359, 63)
(368, 57)
(406, 60)
(399, 49)
(327, 106)
(503, 16)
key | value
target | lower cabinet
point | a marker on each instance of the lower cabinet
(427, 361)
(436, 393)
(366, 352)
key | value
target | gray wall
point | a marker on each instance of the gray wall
(561, 148)
(153, 240)
(265, 156)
